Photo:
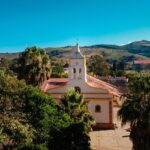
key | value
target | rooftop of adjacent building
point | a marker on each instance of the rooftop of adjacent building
(141, 62)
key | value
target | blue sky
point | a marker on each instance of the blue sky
(53, 23)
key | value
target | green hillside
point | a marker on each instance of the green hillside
(129, 52)
(9, 55)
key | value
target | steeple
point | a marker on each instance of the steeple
(78, 47)
(77, 69)
(76, 53)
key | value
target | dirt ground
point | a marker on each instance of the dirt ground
(117, 139)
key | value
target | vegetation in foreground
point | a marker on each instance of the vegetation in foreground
(136, 111)
(33, 65)
(29, 119)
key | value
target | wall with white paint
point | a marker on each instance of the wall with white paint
(99, 117)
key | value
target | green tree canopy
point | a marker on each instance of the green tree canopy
(136, 111)
(28, 117)
(58, 69)
(33, 65)
(13, 126)
(5, 64)
(75, 136)
(73, 104)
(98, 66)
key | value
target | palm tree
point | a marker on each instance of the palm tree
(34, 66)
(136, 111)
(73, 104)
(76, 135)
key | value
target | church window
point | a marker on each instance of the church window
(77, 89)
(80, 70)
(74, 70)
(97, 108)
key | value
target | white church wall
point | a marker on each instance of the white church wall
(99, 117)
(85, 88)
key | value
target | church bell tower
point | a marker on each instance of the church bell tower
(77, 69)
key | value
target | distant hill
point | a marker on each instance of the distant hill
(9, 55)
(137, 50)
(138, 47)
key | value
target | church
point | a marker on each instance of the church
(99, 95)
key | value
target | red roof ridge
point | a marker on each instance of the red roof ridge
(91, 81)
(53, 83)
(58, 80)
(102, 84)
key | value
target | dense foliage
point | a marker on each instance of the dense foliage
(33, 66)
(136, 110)
(58, 69)
(118, 68)
(27, 116)
(98, 66)
(73, 104)
(30, 119)
(75, 137)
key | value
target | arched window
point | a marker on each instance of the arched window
(97, 108)
(80, 70)
(74, 70)
(77, 89)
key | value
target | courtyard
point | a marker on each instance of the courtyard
(117, 139)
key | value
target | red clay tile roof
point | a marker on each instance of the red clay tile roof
(58, 80)
(94, 82)
(91, 81)
(53, 83)
(142, 62)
